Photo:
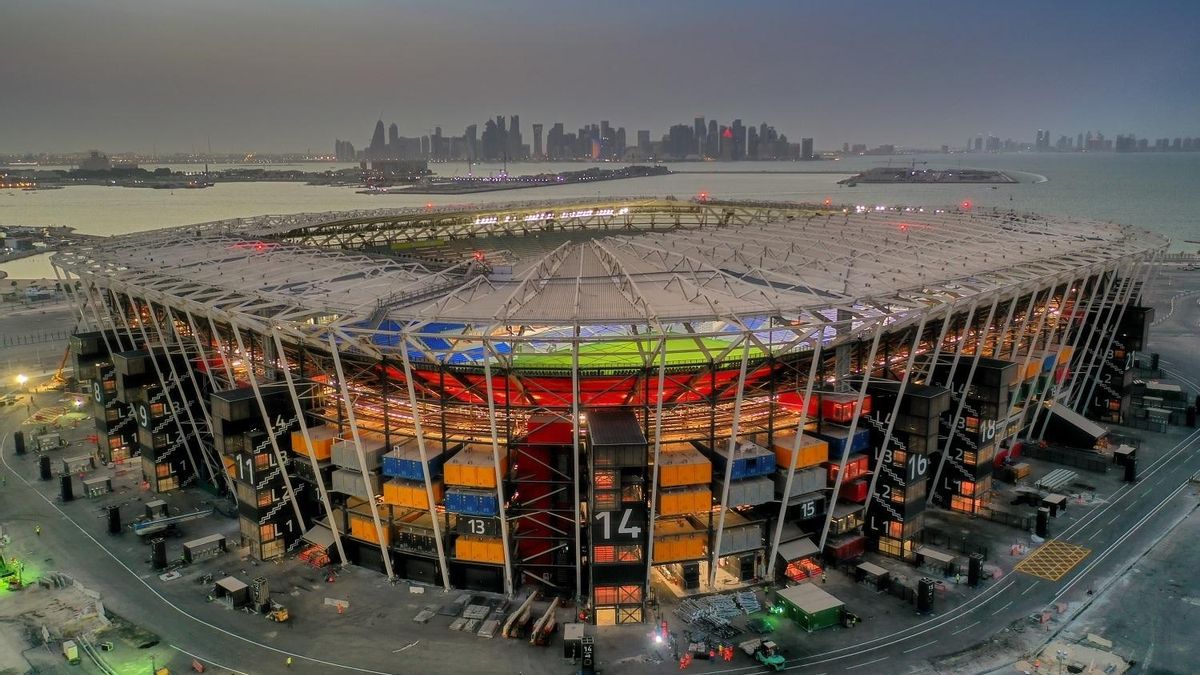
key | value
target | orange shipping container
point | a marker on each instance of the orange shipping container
(684, 501)
(363, 527)
(411, 493)
(677, 539)
(682, 464)
(479, 549)
(812, 451)
(322, 442)
(473, 466)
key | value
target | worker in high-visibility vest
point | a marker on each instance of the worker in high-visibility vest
(289, 662)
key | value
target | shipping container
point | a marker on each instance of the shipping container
(803, 482)
(840, 408)
(682, 464)
(400, 492)
(856, 467)
(845, 548)
(837, 437)
(404, 460)
(812, 451)
(344, 452)
(479, 549)
(322, 438)
(749, 492)
(474, 466)
(684, 501)
(351, 483)
(472, 502)
(362, 525)
(677, 539)
(810, 607)
(615, 439)
(854, 491)
(794, 401)
(749, 460)
(741, 534)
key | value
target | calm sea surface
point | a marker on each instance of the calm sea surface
(1159, 192)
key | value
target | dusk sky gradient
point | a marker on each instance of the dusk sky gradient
(291, 75)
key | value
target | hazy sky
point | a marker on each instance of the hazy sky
(274, 75)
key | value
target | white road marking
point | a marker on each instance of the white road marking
(884, 658)
(965, 628)
(919, 646)
(1031, 587)
(1002, 608)
(1114, 519)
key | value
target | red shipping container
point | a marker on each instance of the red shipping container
(846, 548)
(856, 466)
(855, 491)
(839, 408)
(794, 401)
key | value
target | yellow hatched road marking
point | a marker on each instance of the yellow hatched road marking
(1053, 560)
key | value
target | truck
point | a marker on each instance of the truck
(765, 652)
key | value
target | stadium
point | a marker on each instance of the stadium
(598, 397)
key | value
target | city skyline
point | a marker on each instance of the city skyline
(245, 76)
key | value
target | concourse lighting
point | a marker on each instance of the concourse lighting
(22, 379)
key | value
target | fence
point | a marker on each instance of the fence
(38, 338)
(1088, 460)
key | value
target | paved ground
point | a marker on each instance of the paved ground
(973, 630)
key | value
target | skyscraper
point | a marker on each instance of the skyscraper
(537, 141)
(393, 137)
(806, 148)
(514, 137)
(375, 150)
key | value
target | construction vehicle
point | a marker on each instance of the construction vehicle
(278, 613)
(71, 651)
(59, 381)
(765, 652)
(514, 625)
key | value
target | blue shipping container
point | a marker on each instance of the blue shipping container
(404, 461)
(836, 437)
(472, 502)
(749, 460)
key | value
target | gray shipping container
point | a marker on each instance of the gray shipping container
(351, 483)
(805, 481)
(741, 538)
(345, 454)
(748, 492)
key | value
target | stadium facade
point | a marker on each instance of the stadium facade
(589, 396)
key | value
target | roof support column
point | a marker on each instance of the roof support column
(1055, 341)
(862, 394)
(1104, 315)
(791, 472)
(362, 458)
(733, 433)
(416, 415)
(1112, 332)
(488, 353)
(658, 415)
(312, 460)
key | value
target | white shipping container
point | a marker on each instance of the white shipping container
(351, 483)
(805, 481)
(749, 492)
(345, 455)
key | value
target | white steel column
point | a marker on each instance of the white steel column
(817, 336)
(312, 460)
(1074, 341)
(885, 452)
(352, 420)
(225, 359)
(1107, 326)
(1112, 333)
(733, 432)
(162, 382)
(658, 414)
(1033, 341)
(980, 338)
(575, 460)
(178, 384)
(862, 394)
(1091, 331)
(1058, 335)
(416, 415)
(268, 426)
(491, 403)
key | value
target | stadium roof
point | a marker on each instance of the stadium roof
(634, 262)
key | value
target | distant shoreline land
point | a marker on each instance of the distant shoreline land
(904, 174)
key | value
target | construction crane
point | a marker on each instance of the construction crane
(59, 381)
